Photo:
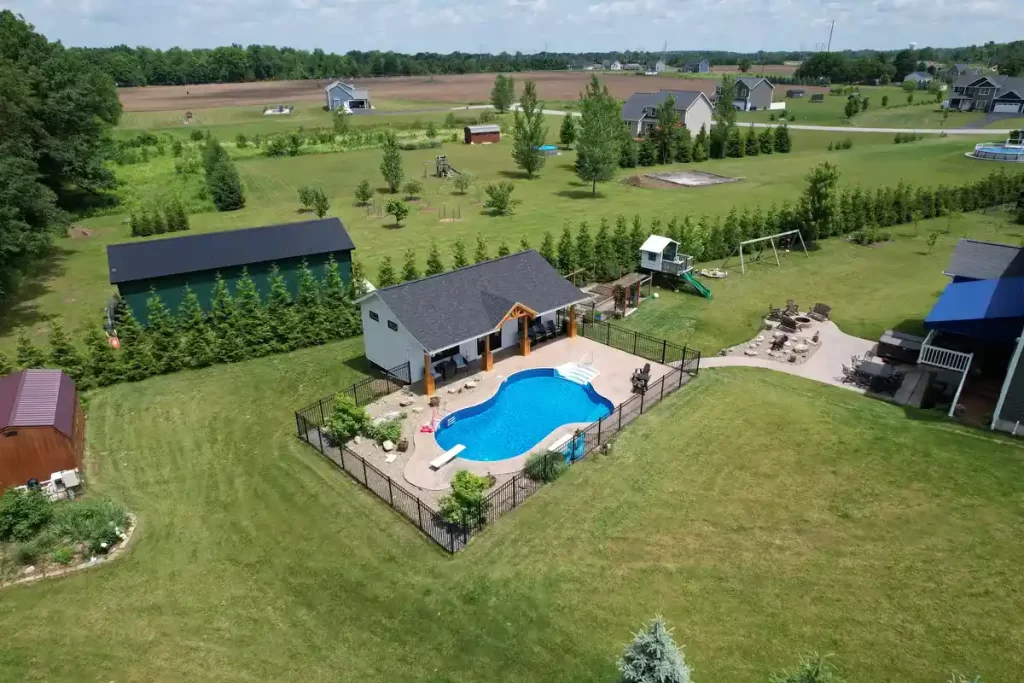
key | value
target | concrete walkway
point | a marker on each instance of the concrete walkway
(825, 366)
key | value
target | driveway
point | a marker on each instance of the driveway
(990, 118)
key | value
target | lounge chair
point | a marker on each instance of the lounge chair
(460, 362)
(551, 330)
(791, 307)
(641, 377)
(788, 325)
(535, 332)
(820, 312)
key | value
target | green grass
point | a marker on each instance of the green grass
(870, 289)
(1008, 124)
(917, 116)
(890, 539)
(74, 284)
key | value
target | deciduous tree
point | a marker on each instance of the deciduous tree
(364, 193)
(391, 162)
(529, 132)
(503, 94)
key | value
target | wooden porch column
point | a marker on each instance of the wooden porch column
(524, 342)
(488, 360)
(428, 379)
(572, 320)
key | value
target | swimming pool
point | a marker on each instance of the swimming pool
(529, 405)
(998, 152)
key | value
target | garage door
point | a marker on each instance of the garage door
(1007, 107)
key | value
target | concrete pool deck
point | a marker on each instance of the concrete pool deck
(413, 466)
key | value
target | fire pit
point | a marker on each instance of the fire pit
(803, 320)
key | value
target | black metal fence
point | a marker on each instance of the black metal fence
(453, 536)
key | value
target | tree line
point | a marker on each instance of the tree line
(52, 153)
(239, 326)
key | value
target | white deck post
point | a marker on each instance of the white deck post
(963, 380)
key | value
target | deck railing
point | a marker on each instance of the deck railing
(946, 359)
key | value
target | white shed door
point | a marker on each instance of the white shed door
(1007, 107)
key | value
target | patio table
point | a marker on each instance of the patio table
(873, 369)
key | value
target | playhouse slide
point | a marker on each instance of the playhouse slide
(696, 284)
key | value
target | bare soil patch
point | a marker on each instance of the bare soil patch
(680, 180)
(767, 69)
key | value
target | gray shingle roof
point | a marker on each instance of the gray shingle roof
(633, 108)
(1004, 84)
(752, 81)
(443, 310)
(919, 76)
(157, 258)
(979, 260)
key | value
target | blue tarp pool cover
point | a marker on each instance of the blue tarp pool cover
(988, 309)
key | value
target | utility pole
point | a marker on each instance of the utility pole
(829, 48)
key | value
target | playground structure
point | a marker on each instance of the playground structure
(785, 241)
(660, 254)
(442, 168)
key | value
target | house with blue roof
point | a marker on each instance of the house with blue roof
(976, 333)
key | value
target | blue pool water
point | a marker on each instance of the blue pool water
(529, 405)
(547, 148)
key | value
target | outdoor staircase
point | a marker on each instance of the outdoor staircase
(578, 372)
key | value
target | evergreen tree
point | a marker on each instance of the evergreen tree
(391, 162)
(64, 355)
(481, 249)
(177, 217)
(731, 234)
(752, 144)
(341, 315)
(623, 257)
(162, 331)
(386, 276)
(648, 154)
(782, 141)
(435, 266)
(29, 355)
(145, 225)
(725, 117)
(503, 249)
(6, 367)
(566, 251)
(755, 227)
(567, 134)
(409, 270)
(547, 248)
(459, 259)
(637, 237)
(598, 149)
(357, 281)
(654, 657)
(529, 132)
(312, 327)
(699, 151)
(101, 360)
(136, 354)
(602, 252)
(158, 222)
(524, 244)
(281, 312)
(663, 136)
(734, 144)
(197, 342)
(629, 150)
(819, 198)
(584, 253)
(766, 140)
(135, 224)
(252, 325)
(684, 146)
(225, 187)
(228, 347)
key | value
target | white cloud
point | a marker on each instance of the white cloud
(525, 25)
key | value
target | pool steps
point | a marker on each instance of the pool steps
(577, 372)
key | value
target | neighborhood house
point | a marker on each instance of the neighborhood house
(346, 97)
(457, 317)
(701, 67)
(998, 94)
(170, 266)
(751, 94)
(641, 110)
(919, 78)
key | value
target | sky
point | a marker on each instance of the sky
(411, 26)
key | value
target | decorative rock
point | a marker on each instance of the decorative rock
(750, 352)
(471, 385)
(801, 348)
(29, 570)
(417, 409)
(760, 338)
(391, 457)
(405, 402)
(357, 439)
(388, 446)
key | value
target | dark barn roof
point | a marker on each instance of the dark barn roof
(443, 310)
(193, 253)
(37, 398)
(978, 260)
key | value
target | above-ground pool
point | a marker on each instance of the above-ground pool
(529, 405)
(998, 152)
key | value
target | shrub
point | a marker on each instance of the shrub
(388, 430)
(346, 421)
(545, 466)
(100, 524)
(868, 236)
(241, 141)
(488, 117)
(398, 209)
(413, 188)
(197, 135)
(465, 504)
(654, 657)
(276, 147)
(23, 514)
(813, 668)
(176, 147)
(431, 130)
(364, 193)
(420, 144)
(63, 555)
(499, 198)
(462, 182)
(885, 100)
(450, 121)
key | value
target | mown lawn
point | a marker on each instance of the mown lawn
(870, 289)
(890, 539)
(75, 284)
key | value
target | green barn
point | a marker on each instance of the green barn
(168, 266)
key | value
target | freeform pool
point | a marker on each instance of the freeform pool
(528, 406)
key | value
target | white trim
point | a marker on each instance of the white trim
(1009, 378)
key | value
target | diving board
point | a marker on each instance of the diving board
(446, 457)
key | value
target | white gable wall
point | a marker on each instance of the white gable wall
(699, 114)
(386, 347)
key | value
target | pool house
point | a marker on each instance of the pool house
(442, 324)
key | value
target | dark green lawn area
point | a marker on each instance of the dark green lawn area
(891, 539)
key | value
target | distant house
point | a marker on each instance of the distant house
(482, 134)
(999, 94)
(42, 426)
(632, 67)
(920, 78)
(171, 266)
(615, 66)
(596, 66)
(794, 94)
(659, 66)
(956, 71)
(752, 93)
(346, 97)
(641, 110)
(818, 98)
(701, 67)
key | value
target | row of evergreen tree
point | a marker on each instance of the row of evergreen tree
(152, 221)
(683, 148)
(239, 326)
(222, 179)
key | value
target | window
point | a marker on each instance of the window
(447, 353)
(393, 325)
(984, 91)
(374, 316)
(651, 255)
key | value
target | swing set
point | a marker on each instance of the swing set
(780, 240)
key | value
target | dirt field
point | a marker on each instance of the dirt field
(551, 85)
(780, 69)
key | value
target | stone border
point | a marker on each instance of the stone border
(95, 561)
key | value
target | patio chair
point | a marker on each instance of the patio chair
(641, 377)
(535, 332)
(855, 361)
(434, 372)
(820, 312)
(774, 313)
(791, 307)
(460, 362)
(789, 325)
(551, 330)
